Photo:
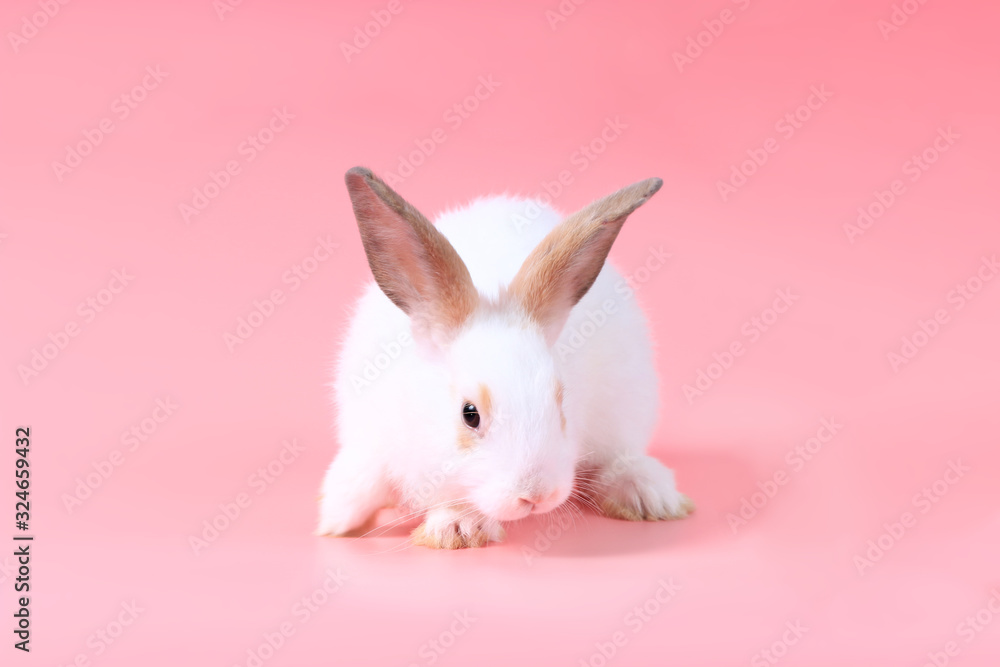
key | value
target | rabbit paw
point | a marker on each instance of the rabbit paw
(341, 515)
(456, 529)
(339, 519)
(644, 490)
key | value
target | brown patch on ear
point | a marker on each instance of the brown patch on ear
(559, 404)
(412, 262)
(564, 266)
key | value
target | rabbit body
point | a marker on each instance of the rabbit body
(559, 411)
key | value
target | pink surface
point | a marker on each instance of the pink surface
(903, 124)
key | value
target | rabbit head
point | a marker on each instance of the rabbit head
(509, 448)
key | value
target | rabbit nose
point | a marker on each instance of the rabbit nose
(533, 500)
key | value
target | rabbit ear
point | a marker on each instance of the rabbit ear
(413, 263)
(558, 272)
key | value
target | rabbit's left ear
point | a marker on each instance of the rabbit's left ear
(413, 263)
(561, 269)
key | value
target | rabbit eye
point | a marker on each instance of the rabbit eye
(471, 415)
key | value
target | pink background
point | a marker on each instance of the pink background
(162, 336)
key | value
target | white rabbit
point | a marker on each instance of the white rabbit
(494, 367)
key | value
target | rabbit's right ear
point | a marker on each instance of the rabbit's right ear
(561, 269)
(413, 263)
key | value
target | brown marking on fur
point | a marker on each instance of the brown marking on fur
(559, 404)
(477, 539)
(485, 404)
(615, 509)
(420, 536)
(466, 438)
(412, 262)
(452, 537)
(564, 266)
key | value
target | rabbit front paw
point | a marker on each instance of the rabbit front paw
(457, 528)
(643, 491)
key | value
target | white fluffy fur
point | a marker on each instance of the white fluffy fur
(399, 405)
